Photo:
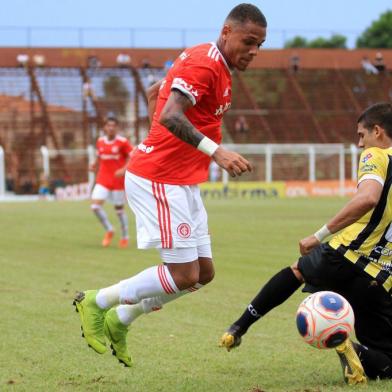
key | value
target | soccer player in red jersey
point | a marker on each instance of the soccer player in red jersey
(113, 153)
(162, 177)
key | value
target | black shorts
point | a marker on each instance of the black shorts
(326, 269)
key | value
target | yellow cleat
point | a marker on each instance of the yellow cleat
(229, 340)
(353, 372)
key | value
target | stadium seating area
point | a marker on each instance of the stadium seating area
(62, 103)
(311, 106)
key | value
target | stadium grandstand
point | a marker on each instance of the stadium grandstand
(58, 98)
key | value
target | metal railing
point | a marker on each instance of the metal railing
(138, 37)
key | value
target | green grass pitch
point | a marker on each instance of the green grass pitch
(50, 250)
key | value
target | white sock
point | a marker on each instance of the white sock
(151, 282)
(129, 313)
(108, 297)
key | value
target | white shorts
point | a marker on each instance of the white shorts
(169, 217)
(102, 193)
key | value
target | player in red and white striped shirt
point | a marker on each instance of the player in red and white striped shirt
(113, 153)
(162, 177)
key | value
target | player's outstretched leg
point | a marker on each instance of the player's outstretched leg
(92, 319)
(280, 287)
(353, 372)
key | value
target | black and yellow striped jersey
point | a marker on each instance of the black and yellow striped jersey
(368, 242)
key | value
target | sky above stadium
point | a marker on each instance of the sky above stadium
(173, 23)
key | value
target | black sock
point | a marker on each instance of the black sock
(375, 363)
(274, 292)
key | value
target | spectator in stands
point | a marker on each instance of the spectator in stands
(123, 60)
(379, 62)
(241, 125)
(368, 67)
(93, 62)
(26, 185)
(294, 63)
(88, 89)
(43, 189)
(146, 64)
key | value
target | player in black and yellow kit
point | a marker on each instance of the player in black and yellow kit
(356, 262)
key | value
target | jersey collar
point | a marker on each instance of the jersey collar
(222, 57)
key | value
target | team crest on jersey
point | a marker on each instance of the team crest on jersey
(115, 149)
(367, 157)
(184, 230)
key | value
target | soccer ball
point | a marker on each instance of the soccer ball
(325, 319)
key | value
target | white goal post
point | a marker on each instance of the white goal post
(266, 151)
(310, 150)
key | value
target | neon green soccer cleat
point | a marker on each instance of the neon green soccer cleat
(92, 318)
(353, 372)
(116, 332)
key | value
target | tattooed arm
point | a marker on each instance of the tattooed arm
(174, 119)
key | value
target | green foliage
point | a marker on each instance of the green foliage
(336, 41)
(296, 42)
(50, 250)
(379, 34)
(116, 95)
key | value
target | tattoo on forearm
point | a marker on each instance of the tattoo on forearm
(178, 124)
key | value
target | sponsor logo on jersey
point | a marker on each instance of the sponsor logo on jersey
(115, 149)
(382, 251)
(186, 86)
(368, 167)
(222, 108)
(147, 149)
(184, 230)
(366, 158)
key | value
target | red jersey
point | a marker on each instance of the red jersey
(202, 74)
(112, 155)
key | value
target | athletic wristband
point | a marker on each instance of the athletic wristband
(207, 146)
(322, 233)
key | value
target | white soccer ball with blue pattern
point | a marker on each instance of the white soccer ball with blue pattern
(325, 319)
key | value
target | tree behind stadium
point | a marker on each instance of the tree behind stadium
(379, 34)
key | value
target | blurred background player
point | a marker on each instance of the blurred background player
(356, 263)
(113, 152)
(162, 177)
